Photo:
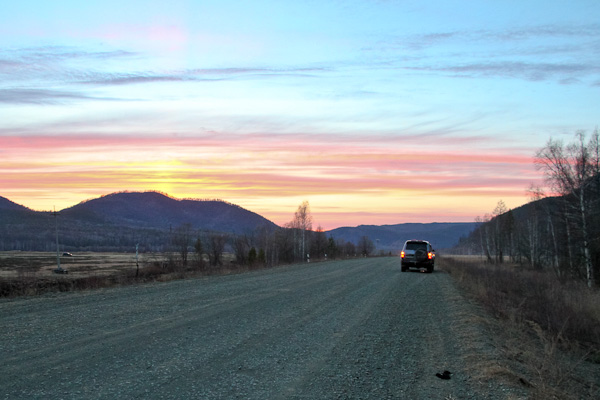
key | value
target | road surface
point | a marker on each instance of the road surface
(357, 329)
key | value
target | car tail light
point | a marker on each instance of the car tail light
(401, 254)
(430, 255)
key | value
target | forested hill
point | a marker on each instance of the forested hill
(13, 213)
(519, 232)
(156, 210)
(554, 233)
(118, 221)
(6, 204)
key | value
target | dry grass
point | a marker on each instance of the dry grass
(40, 264)
(31, 273)
(549, 332)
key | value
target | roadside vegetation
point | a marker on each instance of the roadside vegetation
(537, 269)
(548, 331)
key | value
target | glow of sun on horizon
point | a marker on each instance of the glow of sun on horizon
(377, 185)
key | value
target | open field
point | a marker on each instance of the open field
(31, 273)
(14, 264)
(35, 264)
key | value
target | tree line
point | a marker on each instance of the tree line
(296, 241)
(559, 230)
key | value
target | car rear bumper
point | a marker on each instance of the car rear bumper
(426, 265)
(413, 261)
(414, 264)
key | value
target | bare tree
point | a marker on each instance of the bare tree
(301, 224)
(533, 240)
(365, 246)
(252, 256)
(199, 253)
(215, 245)
(182, 239)
(264, 238)
(484, 235)
(319, 243)
(349, 249)
(537, 195)
(286, 243)
(332, 248)
(498, 212)
(572, 172)
(241, 247)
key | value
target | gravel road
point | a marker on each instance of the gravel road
(357, 329)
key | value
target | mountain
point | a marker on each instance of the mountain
(13, 213)
(20, 227)
(6, 204)
(118, 221)
(156, 210)
(392, 237)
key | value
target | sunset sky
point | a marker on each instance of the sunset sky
(376, 112)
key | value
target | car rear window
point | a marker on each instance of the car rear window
(416, 246)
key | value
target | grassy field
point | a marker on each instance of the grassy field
(20, 264)
(32, 273)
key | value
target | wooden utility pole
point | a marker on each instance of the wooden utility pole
(137, 262)
(59, 269)
(56, 214)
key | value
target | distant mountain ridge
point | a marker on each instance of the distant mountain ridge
(117, 221)
(442, 235)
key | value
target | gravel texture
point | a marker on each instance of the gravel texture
(357, 329)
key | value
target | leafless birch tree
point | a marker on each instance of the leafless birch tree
(572, 172)
(301, 224)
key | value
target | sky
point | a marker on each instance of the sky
(375, 112)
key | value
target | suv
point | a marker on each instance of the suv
(417, 254)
